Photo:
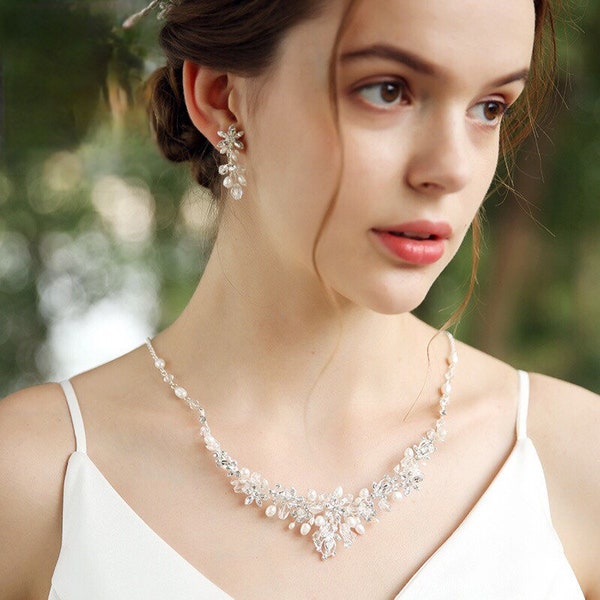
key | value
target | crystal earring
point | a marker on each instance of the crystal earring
(234, 174)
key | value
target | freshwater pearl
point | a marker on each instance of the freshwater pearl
(181, 392)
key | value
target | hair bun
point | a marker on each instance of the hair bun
(178, 138)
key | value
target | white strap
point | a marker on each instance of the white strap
(523, 405)
(76, 418)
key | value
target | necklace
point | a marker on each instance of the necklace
(336, 517)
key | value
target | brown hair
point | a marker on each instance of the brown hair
(228, 35)
(243, 37)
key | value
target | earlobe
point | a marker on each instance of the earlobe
(206, 94)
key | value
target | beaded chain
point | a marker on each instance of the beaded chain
(336, 517)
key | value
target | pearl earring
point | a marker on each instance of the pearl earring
(230, 146)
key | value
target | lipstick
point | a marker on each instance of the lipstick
(417, 242)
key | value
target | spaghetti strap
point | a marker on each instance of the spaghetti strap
(523, 405)
(76, 418)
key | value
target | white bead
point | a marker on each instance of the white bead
(227, 182)
(292, 525)
(446, 388)
(181, 392)
(360, 529)
(320, 521)
(311, 496)
(338, 492)
(352, 521)
(271, 510)
(237, 192)
(304, 530)
(397, 495)
(159, 363)
(212, 444)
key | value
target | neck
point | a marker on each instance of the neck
(277, 344)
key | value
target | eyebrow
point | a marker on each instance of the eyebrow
(418, 64)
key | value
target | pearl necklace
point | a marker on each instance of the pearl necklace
(337, 517)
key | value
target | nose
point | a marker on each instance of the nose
(441, 161)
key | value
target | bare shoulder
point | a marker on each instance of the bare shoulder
(35, 442)
(563, 423)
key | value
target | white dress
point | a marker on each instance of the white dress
(505, 549)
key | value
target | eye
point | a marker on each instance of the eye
(385, 93)
(490, 112)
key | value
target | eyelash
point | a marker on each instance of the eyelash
(400, 87)
(400, 84)
(503, 106)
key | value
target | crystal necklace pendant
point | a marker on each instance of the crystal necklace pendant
(333, 517)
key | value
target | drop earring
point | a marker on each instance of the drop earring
(233, 173)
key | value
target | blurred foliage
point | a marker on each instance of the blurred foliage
(88, 208)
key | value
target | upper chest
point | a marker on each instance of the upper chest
(504, 548)
(189, 504)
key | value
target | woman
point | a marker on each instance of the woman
(357, 143)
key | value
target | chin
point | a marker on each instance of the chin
(390, 299)
(395, 306)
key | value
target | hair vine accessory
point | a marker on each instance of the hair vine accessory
(337, 517)
(163, 6)
(234, 174)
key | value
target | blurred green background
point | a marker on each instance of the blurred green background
(102, 242)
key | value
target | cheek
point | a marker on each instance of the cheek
(486, 165)
(371, 179)
(472, 199)
(293, 161)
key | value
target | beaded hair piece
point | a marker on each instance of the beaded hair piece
(162, 5)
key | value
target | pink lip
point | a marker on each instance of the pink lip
(416, 251)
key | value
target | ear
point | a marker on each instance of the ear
(206, 94)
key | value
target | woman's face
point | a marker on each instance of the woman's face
(422, 86)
